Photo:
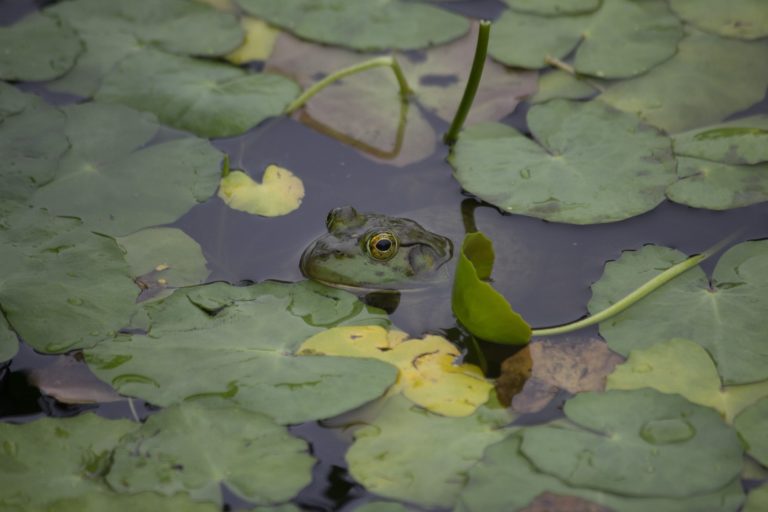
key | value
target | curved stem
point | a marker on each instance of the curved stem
(473, 82)
(388, 60)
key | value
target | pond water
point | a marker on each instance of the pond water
(544, 269)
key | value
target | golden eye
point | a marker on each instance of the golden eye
(382, 246)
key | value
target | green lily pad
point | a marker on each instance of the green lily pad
(71, 462)
(363, 24)
(624, 38)
(554, 7)
(505, 480)
(204, 97)
(128, 503)
(724, 314)
(684, 367)
(717, 186)
(410, 454)
(37, 48)
(757, 500)
(61, 286)
(638, 443)
(559, 84)
(195, 448)
(752, 425)
(9, 343)
(118, 28)
(480, 308)
(164, 258)
(13, 101)
(743, 141)
(252, 332)
(116, 184)
(745, 19)
(665, 97)
(589, 164)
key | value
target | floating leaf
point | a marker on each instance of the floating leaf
(61, 286)
(196, 448)
(37, 48)
(624, 38)
(745, 19)
(589, 164)
(505, 480)
(70, 382)
(116, 29)
(382, 506)
(13, 101)
(664, 96)
(742, 141)
(554, 7)
(207, 98)
(363, 24)
(757, 500)
(638, 443)
(252, 332)
(752, 424)
(258, 44)
(684, 367)
(427, 373)
(716, 186)
(724, 314)
(559, 84)
(9, 343)
(279, 193)
(395, 455)
(116, 184)
(130, 503)
(70, 463)
(480, 308)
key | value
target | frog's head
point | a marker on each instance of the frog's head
(373, 251)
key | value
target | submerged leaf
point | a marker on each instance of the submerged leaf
(684, 367)
(480, 308)
(588, 164)
(745, 19)
(752, 424)
(362, 24)
(279, 193)
(427, 376)
(70, 381)
(725, 315)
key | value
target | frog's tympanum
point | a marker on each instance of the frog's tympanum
(373, 251)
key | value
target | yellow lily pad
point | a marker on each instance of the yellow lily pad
(258, 44)
(279, 193)
(427, 373)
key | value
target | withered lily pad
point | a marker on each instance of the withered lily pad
(279, 193)
(37, 48)
(724, 314)
(638, 443)
(362, 24)
(623, 38)
(588, 164)
(207, 98)
(197, 332)
(745, 19)
(196, 447)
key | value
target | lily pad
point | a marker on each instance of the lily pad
(684, 367)
(757, 500)
(259, 41)
(664, 96)
(204, 97)
(252, 332)
(724, 314)
(428, 375)
(395, 454)
(363, 24)
(624, 38)
(196, 448)
(638, 443)
(61, 286)
(505, 480)
(752, 425)
(70, 463)
(480, 308)
(13, 101)
(745, 19)
(9, 343)
(554, 7)
(129, 503)
(716, 186)
(279, 193)
(37, 48)
(588, 164)
(116, 184)
(559, 84)
(742, 141)
(116, 29)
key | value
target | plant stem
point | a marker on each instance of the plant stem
(473, 82)
(387, 60)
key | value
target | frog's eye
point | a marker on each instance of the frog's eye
(382, 246)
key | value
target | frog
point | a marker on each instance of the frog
(377, 252)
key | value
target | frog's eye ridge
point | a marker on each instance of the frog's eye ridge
(382, 246)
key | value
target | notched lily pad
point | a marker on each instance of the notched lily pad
(588, 164)
(363, 24)
(279, 193)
